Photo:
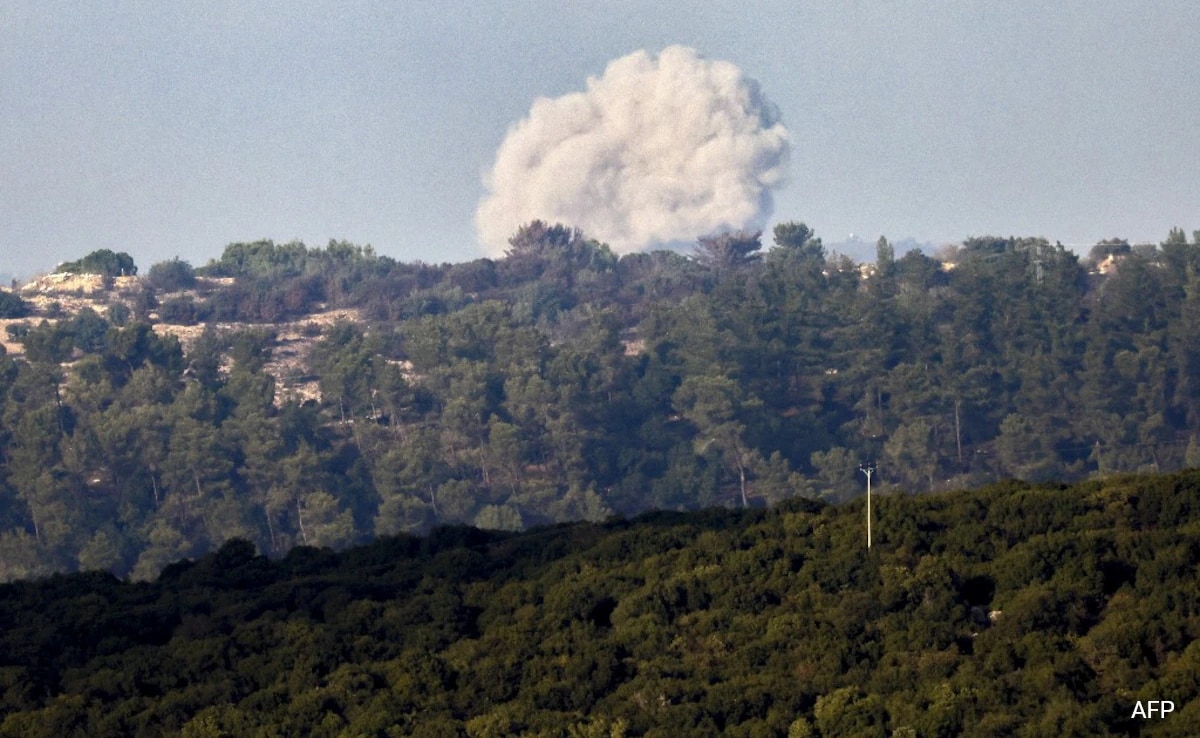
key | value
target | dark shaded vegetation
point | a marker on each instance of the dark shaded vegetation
(12, 306)
(1015, 609)
(171, 276)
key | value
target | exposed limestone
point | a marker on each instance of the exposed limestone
(54, 297)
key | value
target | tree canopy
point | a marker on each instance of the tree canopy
(332, 395)
(104, 262)
(1008, 610)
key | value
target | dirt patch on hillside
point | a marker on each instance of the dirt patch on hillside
(289, 351)
(55, 297)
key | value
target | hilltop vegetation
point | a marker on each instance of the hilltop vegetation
(1013, 610)
(562, 383)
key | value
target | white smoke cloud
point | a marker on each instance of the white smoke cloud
(657, 149)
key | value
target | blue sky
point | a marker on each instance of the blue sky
(172, 129)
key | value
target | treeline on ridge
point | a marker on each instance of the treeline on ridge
(561, 383)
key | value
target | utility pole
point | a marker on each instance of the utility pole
(868, 469)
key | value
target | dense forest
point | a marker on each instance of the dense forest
(562, 383)
(1011, 610)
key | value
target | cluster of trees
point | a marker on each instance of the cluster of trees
(104, 262)
(563, 383)
(12, 306)
(1015, 609)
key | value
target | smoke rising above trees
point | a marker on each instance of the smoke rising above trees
(657, 149)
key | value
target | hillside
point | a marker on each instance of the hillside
(297, 396)
(62, 296)
(1011, 610)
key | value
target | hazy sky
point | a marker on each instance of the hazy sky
(167, 129)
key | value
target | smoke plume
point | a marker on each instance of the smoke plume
(655, 150)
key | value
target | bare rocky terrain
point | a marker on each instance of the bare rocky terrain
(60, 296)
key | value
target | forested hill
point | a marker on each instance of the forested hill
(288, 395)
(1012, 610)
